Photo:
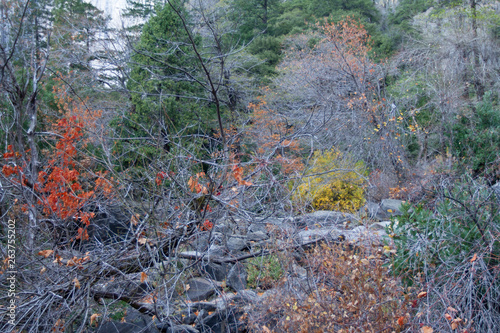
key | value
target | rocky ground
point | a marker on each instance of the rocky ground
(219, 292)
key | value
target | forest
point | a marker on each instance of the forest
(250, 166)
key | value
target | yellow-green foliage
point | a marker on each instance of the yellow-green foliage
(332, 182)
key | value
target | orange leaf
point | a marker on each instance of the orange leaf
(76, 283)
(401, 321)
(422, 294)
(45, 253)
(474, 258)
(144, 276)
(93, 318)
(426, 329)
(447, 316)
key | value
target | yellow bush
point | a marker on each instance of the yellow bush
(332, 182)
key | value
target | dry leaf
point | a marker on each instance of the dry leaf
(401, 321)
(426, 329)
(144, 276)
(76, 283)
(45, 253)
(451, 309)
(422, 294)
(447, 316)
(142, 240)
(43, 270)
(474, 258)
(265, 329)
(93, 319)
(187, 287)
(454, 325)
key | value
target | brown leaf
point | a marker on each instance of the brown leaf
(76, 283)
(474, 258)
(93, 319)
(451, 309)
(447, 316)
(45, 253)
(401, 321)
(426, 329)
(454, 325)
(422, 294)
(142, 240)
(144, 276)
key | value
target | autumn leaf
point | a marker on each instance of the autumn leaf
(187, 287)
(422, 294)
(474, 258)
(401, 321)
(426, 329)
(447, 316)
(45, 253)
(93, 319)
(144, 276)
(76, 283)
(142, 240)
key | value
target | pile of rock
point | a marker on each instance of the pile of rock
(218, 299)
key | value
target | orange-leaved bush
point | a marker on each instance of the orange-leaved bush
(350, 291)
(60, 184)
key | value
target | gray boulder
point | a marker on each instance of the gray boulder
(326, 218)
(391, 207)
(237, 277)
(199, 289)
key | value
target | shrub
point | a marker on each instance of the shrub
(333, 182)
(453, 251)
(264, 272)
(476, 138)
(350, 291)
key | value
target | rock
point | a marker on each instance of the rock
(372, 210)
(380, 226)
(327, 234)
(111, 224)
(246, 296)
(325, 218)
(214, 271)
(116, 327)
(199, 289)
(256, 227)
(237, 243)
(182, 329)
(207, 306)
(129, 285)
(391, 207)
(216, 251)
(222, 322)
(365, 236)
(237, 277)
(257, 236)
